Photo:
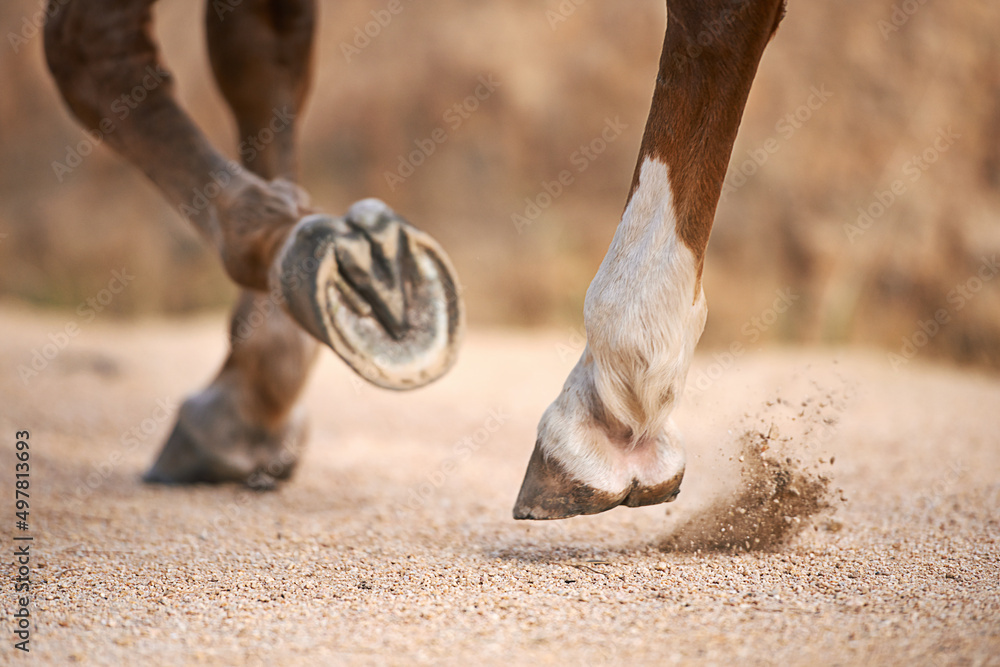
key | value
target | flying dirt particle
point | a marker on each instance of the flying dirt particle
(773, 500)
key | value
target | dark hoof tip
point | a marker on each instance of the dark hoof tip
(262, 482)
(210, 444)
(549, 492)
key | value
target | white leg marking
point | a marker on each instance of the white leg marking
(643, 320)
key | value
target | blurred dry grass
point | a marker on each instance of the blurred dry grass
(891, 93)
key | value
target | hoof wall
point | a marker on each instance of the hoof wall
(549, 492)
(211, 445)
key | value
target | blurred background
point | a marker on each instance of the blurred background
(863, 193)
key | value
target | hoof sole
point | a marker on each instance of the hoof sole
(378, 291)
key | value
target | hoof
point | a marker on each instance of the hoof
(211, 443)
(550, 492)
(378, 291)
(587, 461)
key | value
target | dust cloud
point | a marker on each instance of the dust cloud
(782, 487)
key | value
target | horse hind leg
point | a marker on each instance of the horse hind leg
(247, 424)
(396, 282)
(371, 286)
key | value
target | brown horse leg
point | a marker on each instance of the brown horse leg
(378, 291)
(244, 425)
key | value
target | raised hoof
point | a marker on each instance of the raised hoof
(550, 492)
(210, 443)
(377, 290)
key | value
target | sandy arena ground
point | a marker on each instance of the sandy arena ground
(394, 543)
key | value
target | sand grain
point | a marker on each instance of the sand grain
(394, 544)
